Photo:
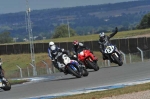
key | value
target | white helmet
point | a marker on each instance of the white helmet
(51, 43)
(54, 49)
(102, 34)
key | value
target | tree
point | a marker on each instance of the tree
(5, 37)
(145, 22)
(62, 31)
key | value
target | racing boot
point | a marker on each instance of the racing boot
(104, 57)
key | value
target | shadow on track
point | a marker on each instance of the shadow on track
(1, 90)
(64, 79)
(109, 67)
(91, 70)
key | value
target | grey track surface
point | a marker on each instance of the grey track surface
(65, 83)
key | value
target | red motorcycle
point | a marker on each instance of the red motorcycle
(89, 60)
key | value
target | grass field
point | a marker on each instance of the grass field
(119, 35)
(10, 63)
(123, 34)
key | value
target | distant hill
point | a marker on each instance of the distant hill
(83, 19)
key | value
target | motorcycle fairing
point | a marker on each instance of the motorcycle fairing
(85, 54)
(109, 49)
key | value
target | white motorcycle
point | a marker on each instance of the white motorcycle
(71, 66)
(112, 54)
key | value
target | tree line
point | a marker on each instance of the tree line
(5, 37)
(65, 31)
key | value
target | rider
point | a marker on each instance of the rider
(78, 46)
(2, 71)
(103, 39)
(53, 52)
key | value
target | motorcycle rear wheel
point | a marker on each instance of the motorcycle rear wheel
(85, 72)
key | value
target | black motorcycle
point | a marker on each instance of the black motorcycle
(4, 83)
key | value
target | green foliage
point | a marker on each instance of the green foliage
(145, 22)
(62, 31)
(5, 37)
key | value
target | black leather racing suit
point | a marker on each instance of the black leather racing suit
(103, 40)
(76, 49)
(79, 47)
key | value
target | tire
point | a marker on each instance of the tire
(85, 72)
(93, 65)
(7, 86)
(77, 74)
(97, 66)
(120, 63)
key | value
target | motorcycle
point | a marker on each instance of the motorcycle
(89, 60)
(4, 83)
(112, 54)
(71, 66)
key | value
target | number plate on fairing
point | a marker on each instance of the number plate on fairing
(109, 49)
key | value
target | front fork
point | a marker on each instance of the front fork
(116, 54)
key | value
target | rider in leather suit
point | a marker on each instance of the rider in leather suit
(2, 71)
(103, 39)
(78, 46)
(52, 52)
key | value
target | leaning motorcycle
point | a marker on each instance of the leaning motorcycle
(4, 83)
(71, 66)
(89, 60)
(112, 54)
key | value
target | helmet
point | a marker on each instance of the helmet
(51, 43)
(54, 49)
(102, 34)
(75, 42)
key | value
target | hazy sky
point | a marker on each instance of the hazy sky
(12, 6)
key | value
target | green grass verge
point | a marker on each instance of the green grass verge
(23, 60)
(122, 34)
(10, 63)
(109, 93)
(14, 82)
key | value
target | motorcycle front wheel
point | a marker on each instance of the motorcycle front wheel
(120, 63)
(71, 71)
(93, 65)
